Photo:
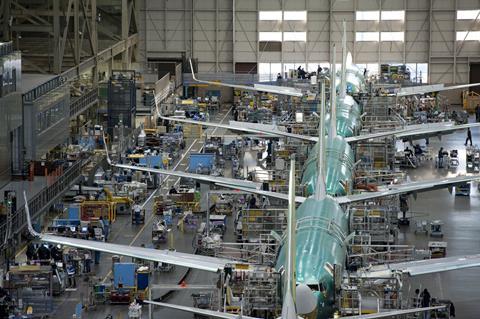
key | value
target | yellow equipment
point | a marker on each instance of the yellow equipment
(107, 207)
(470, 101)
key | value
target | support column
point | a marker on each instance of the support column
(94, 37)
(56, 37)
(6, 20)
(76, 31)
(216, 36)
(125, 28)
(234, 22)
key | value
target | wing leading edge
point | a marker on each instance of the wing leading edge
(411, 187)
(165, 256)
(198, 311)
(420, 131)
(422, 267)
(432, 88)
(394, 313)
(281, 90)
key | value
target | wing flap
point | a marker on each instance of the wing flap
(393, 313)
(432, 88)
(298, 199)
(245, 127)
(422, 267)
(423, 130)
(198, 311)
(407, 188)
(198, 177)
(165, 256)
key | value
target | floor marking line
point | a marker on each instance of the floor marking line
(153, 213)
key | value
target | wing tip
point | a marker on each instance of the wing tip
(109, 161)
(29, 219)
(191, 69)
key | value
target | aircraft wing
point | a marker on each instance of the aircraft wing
(298, 199)
(411, 187)
(165, 256)
(198, 311)
(412, 131)
(199, 177)
(393, 313)
(432, 88)
(280, 90)
(244, 127)
(422, 267)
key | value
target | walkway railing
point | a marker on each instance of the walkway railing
(84, 102)
(43, 200)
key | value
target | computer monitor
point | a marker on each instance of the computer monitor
(84, 229)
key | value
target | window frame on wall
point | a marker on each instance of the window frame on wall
(268, 71)
(417, 69)
(273, 15)
(467, 14)
(270, 36)
(367, 36)
(392, 15)
(467, 36)
(367, 15)
(296, 15)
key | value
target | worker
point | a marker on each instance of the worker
(252, 203)
(173, 190)
(87, 265)
(425, 296)
(31, 252)
(137, 210)
(57, 254)
(441, 153)
(43, 252)
(279, 77)
(265, 202)
(72, 283)
(418, 150)
(319, 70)
(269, 151)
(303, 74)
(235, 114)
(105, 227)
(469, 137)
(477, 113)
(416, 299)
(452, 310)
(90, 232)
(404, 208)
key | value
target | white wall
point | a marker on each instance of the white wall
(429, 27)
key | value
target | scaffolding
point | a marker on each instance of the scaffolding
(257, 222)
(262, 252)
(365, 295)
(376, 221)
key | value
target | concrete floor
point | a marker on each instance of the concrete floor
(459, 214)
(123, 232)
(462, 224)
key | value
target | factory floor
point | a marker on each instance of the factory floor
(461, 217)
(123, 232)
